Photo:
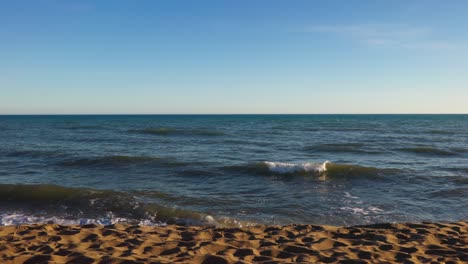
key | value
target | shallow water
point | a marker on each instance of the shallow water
(234, 169)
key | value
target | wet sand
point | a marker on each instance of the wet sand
(380, 243)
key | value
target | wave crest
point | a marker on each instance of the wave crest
(288, 168)
(326, 169)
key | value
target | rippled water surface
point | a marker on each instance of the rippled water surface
(233, 170)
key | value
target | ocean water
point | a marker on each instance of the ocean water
(233, 170)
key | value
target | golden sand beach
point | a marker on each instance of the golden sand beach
(378, 243)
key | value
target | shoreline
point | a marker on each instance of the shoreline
(384, 243)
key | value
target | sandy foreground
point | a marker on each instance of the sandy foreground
(380, 243)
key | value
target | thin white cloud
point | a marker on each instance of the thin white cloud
(394, 35)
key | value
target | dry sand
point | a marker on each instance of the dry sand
(381, 243)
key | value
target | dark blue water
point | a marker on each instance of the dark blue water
(234, 169)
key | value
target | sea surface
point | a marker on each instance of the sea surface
(233, 170)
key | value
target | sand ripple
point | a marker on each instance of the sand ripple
(379, 243)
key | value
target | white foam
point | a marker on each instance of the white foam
(375, 209)
(348, 195)
(362, 211)
(355, 210)
(284, 167)
(209, 219)
(18, 218)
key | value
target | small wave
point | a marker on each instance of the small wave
(325, 169)
(279, 168)
(440, 132)
(250, 142)
(154, 131)
(55, 203)
(462, 170)
(81, 127)
(429, 151)
(182, 199)
(172, 131)
(450, 193)
(460, 179)
(119, 160)
(459, 150)
(349, 170)
(341, 148)
(291, 168)
(197, 172)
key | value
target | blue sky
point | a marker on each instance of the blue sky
(289, 56)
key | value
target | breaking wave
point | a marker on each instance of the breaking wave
(327, 168)
(291, 168)
(43, 203)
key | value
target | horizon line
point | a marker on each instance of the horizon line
(219, 114)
